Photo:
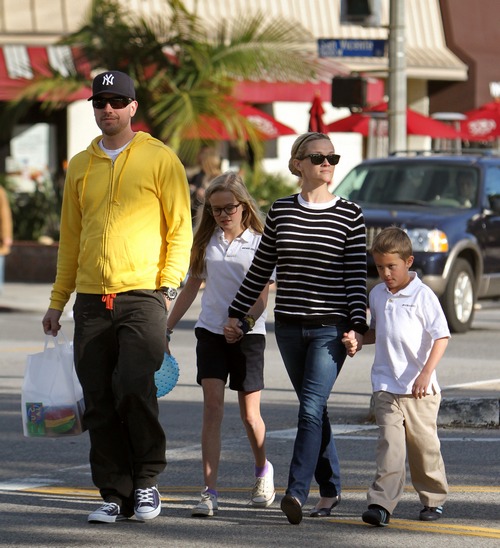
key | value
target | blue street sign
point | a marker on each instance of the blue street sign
(351, 48)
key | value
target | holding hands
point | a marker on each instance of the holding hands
(232, 330)
(353, 342)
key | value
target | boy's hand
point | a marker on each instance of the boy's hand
(419, 388)
(350, 342)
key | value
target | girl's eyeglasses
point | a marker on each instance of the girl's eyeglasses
(230, 209)
(317, 159)
(116, 103)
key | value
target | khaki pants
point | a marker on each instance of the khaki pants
(407, 425)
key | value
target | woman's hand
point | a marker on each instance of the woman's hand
(351, 343)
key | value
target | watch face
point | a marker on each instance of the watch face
(251, 321)
(169, 292)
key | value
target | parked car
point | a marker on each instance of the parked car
(449, 204)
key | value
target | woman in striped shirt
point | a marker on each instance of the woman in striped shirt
(317, 243)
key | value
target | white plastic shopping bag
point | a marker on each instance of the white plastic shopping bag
(52, 398)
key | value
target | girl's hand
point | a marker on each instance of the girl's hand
(232, 332)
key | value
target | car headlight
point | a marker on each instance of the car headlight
(423, 239)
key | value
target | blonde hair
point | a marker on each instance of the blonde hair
(392, 240)
(298, 148)
(251, 218)
(210, 164)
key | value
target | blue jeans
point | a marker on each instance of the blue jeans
(313, 357)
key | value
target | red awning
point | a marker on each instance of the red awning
(20, 65)
(280, 90)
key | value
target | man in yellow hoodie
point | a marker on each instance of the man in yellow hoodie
(125, 242)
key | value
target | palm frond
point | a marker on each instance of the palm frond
(183, 68)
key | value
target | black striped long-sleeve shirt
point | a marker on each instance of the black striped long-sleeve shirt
(320, 260)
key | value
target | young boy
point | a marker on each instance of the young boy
(410, 333)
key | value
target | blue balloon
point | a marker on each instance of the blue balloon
(167, 376)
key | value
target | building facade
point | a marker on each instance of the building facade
(29, 30)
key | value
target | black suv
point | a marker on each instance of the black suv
(450, 207)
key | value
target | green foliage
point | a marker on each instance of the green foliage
(267, 187)
(35, 214)
(183, 67)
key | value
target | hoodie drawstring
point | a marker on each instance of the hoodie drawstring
(108, 299)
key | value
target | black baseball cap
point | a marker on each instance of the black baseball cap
(113, 81)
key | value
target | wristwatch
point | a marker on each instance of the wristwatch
(169, 292)
(247, 324)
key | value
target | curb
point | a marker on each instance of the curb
(469, 412)
(463, 412)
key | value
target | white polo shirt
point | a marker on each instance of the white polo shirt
(226, 265)
(406, 324)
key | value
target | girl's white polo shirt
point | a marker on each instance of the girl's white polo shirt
(226, 265)
(406, 324)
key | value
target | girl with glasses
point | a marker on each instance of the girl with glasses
(316, 241)
(228, 232)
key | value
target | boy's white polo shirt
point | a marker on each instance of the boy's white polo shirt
(406, 324)
(226, 265)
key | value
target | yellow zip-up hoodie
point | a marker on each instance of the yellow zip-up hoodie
(124, 225)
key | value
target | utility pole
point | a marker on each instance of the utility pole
(397, 77)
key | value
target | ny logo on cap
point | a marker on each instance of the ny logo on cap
(108, 79)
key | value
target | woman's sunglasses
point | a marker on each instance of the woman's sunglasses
(116, 103)
(317, 159)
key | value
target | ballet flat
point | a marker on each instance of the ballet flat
(324, 512)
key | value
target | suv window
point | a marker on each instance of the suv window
(449, 206)
(492, 181)
(412, 184)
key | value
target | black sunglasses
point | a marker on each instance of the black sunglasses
(117, 103)
(317, 159)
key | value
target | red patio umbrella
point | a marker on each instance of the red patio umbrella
(416, 124)
(483, 123)
(316, 116)
(214, 129)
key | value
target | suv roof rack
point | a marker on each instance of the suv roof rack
(463, 151)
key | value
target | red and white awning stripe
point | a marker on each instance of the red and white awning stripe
(21, 64)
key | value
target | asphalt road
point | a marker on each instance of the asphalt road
(46, 490)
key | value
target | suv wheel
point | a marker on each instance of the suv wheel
(459, 297)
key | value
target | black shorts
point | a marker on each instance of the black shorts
(242, 362)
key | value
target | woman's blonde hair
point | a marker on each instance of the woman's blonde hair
(252, 217)
(298, 148)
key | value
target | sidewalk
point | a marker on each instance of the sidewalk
(25, 297)
(472, 404)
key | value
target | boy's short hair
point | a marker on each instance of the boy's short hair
(392, 240)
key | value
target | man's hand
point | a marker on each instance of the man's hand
(50, 322)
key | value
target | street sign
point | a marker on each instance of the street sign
(351, 48)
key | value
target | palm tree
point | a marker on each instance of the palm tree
(183, 68)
